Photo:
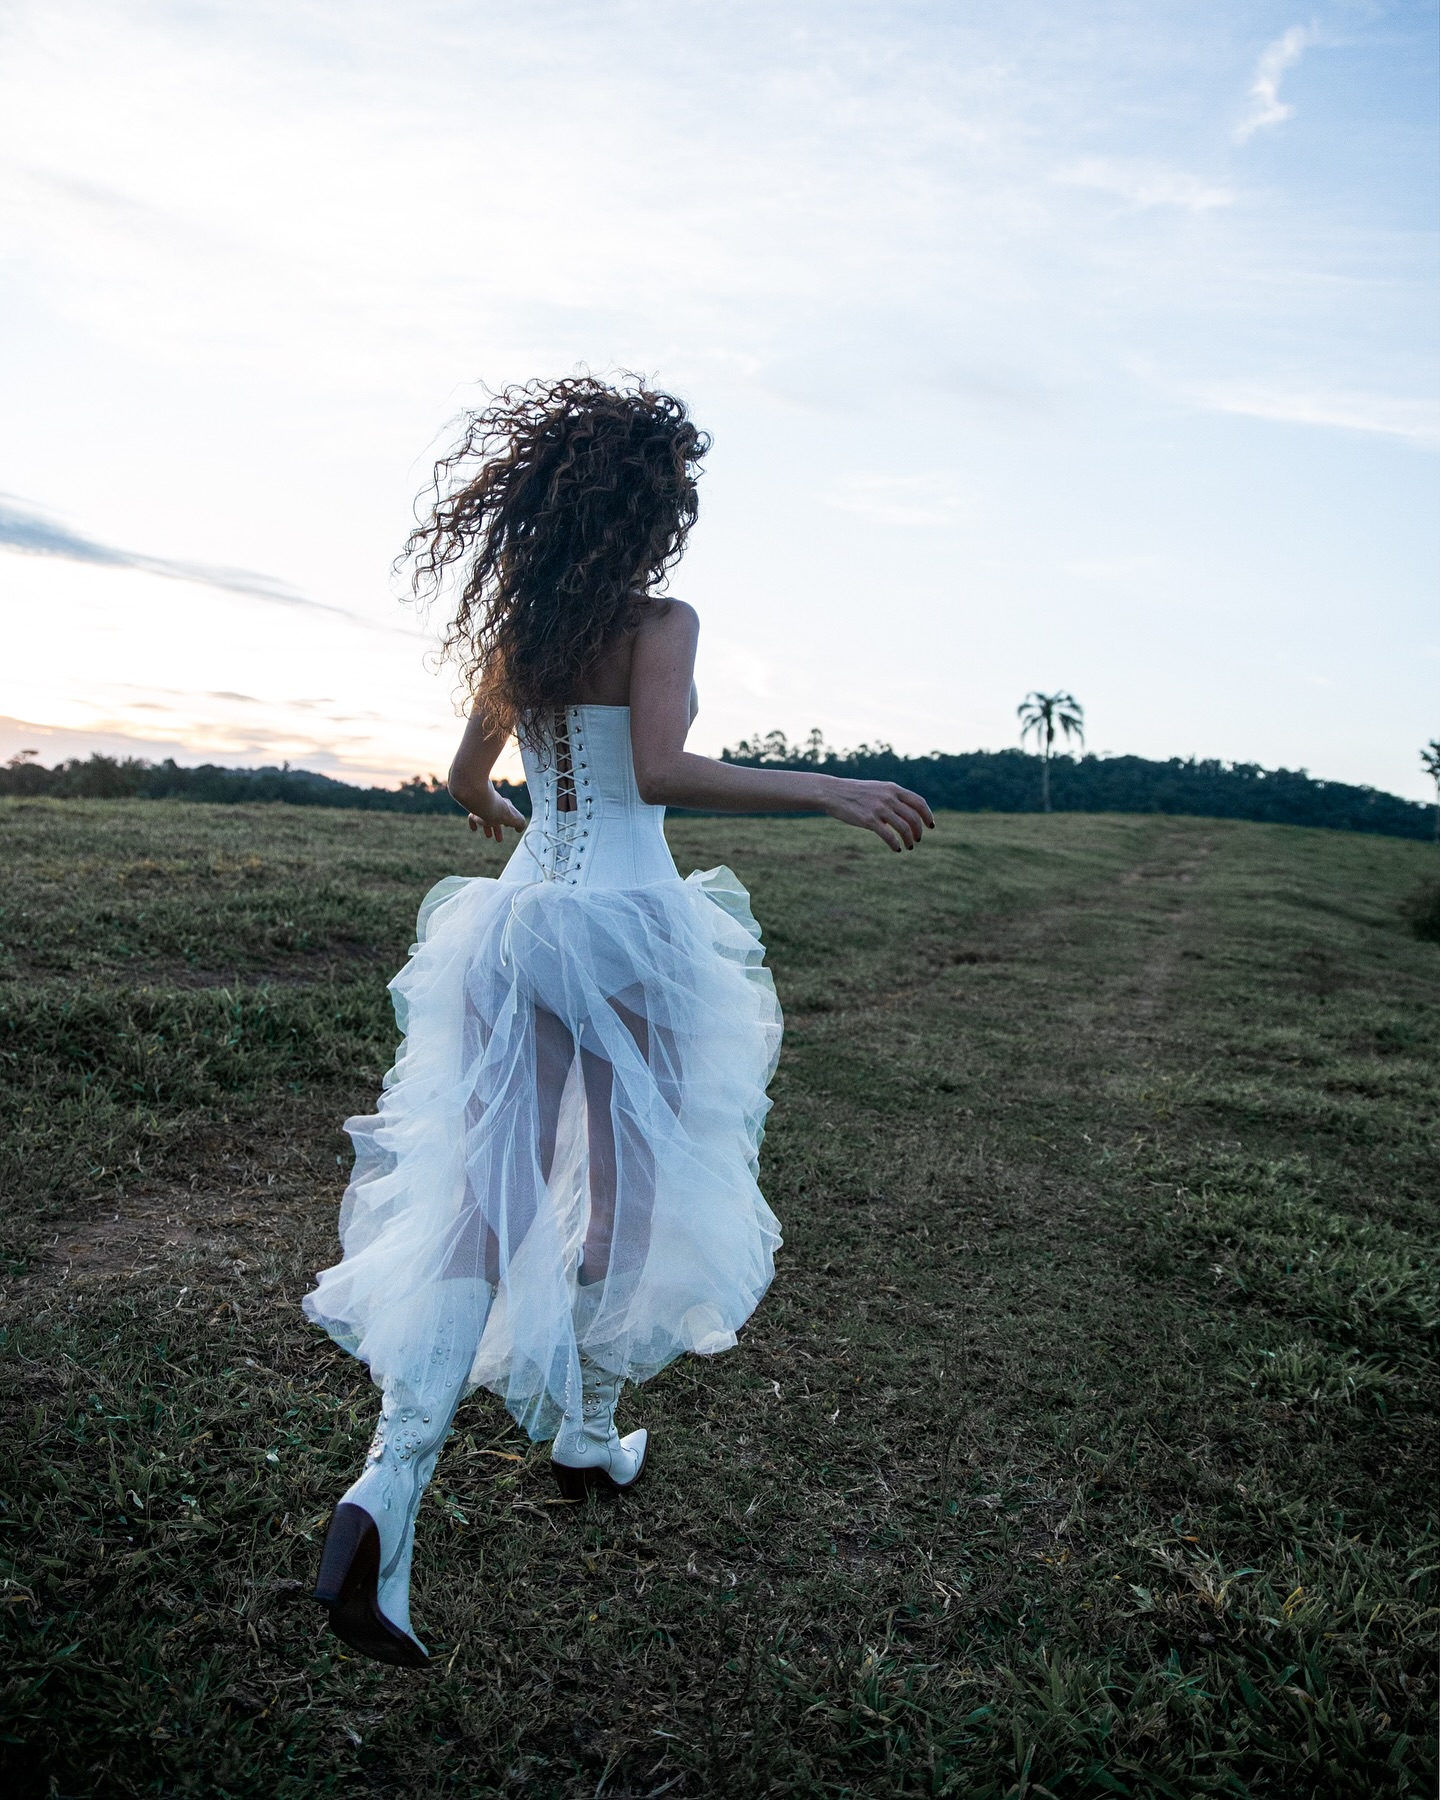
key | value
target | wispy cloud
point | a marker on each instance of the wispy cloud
(1266, 106)
(1145, 184)
(34, 534)
(155, 731)
(903, 499)
(1121, 570)
(1385, 415)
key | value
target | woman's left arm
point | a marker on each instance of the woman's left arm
(469, 778)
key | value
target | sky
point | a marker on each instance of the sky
(1045, 346)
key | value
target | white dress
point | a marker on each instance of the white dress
(575, 1112)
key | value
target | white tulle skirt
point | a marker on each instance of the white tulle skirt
(582, 1078)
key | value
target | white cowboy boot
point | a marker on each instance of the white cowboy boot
(588, 1453)
(365, 1569)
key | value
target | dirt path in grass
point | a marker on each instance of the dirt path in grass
(266, 1202)
(272, 1194)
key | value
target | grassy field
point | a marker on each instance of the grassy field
(1085, 1445)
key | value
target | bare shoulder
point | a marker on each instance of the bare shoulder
(670, 621)
(663, 663)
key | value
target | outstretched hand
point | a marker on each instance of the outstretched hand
(493, 814)
(892, 812)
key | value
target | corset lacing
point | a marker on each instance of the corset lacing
(567, 806)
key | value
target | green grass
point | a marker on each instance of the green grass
(1084, 1446)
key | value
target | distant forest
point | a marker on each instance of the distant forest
(974, 781)
(108, 778)
(1009, 781)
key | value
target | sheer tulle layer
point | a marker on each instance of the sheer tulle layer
(583, 1074)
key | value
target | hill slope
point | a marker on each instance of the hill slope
(1084, 1445)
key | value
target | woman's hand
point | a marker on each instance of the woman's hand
(494, 813)
(890, 811)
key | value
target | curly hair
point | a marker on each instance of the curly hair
(565, 503)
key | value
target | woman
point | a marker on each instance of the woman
(558, 1194)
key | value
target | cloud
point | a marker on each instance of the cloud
(1417, 422)
(902, 499)
(1266, 106)
(243, 745)
(33, 534)
(1145, 184)
(1121, 569)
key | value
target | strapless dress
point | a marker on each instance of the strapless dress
(575, 1113)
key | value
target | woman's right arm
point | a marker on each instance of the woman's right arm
(667, 774)
(469, 778)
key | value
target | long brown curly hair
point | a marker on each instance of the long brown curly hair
(565, 503)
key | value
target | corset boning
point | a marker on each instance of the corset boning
(588, 826)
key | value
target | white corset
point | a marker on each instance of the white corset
(588, 825)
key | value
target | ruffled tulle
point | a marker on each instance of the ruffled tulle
(565, 1047)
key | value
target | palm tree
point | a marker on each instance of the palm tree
(1430, 762)
(1044, 714)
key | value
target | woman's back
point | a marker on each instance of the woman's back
(589, 826)
(606, 680)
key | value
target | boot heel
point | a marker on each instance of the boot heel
(342, 1567)
(575, 1481)
(574, 1484)
(346, 1588)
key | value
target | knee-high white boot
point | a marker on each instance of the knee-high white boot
(588, 1453)
(365, 1569)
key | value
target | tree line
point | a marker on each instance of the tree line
(1017, 781)
(113, 778)
(973, 781)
